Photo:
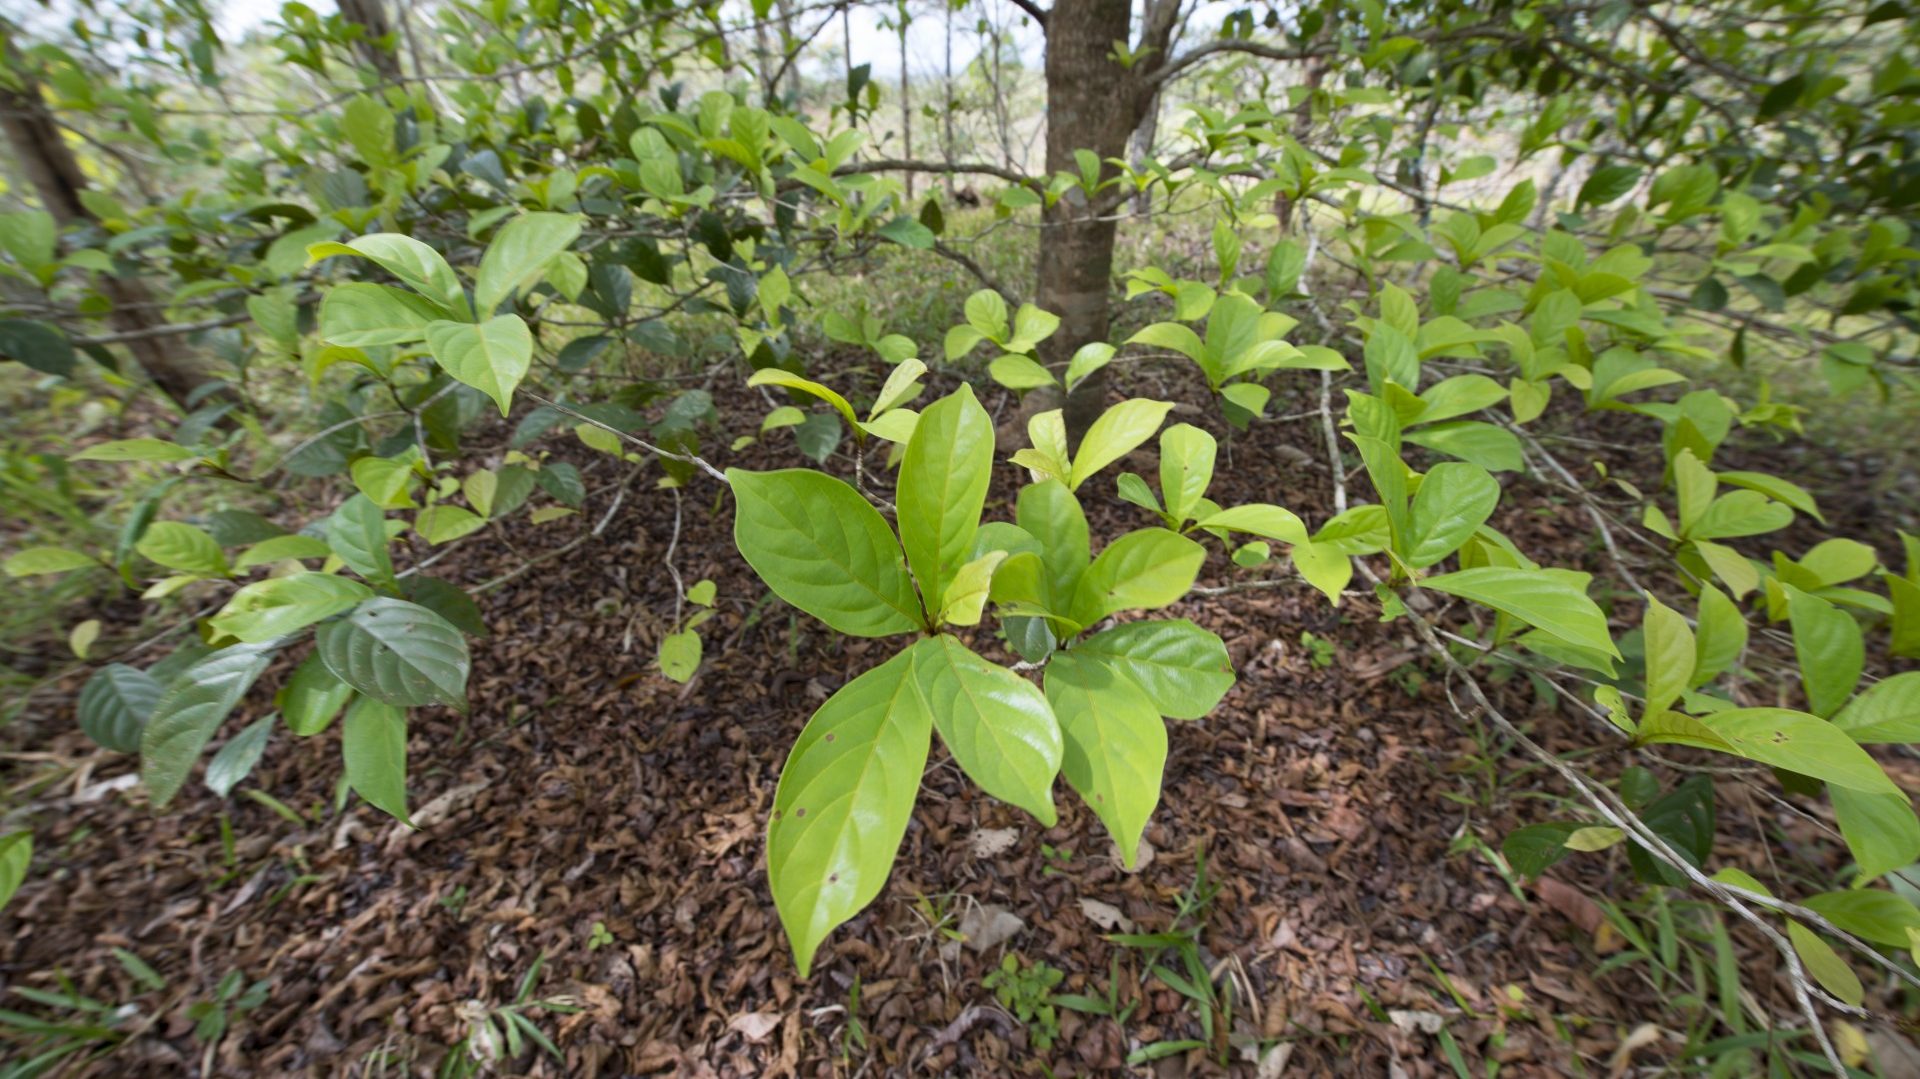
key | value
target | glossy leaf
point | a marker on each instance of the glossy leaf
(190, 711)
(845, 795)
(822, 548)
(518, 255)
(1886, 712)
(1549, 601)
(1453, 501)
(114, 706)
(312, 697)
(397, 652)
(235, 760)
(1117, 432)
(1182, 669)
(1142, 570)
(1115, 745)
(278, 606)
(997, 724)
(373, 745)
(492, 356)
(1801, 743)
(943, 486)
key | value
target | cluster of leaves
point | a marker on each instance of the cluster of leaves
(849, 785)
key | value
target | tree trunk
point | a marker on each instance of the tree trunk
(946, 142)
(47, 162)
(1090, 106)
(906, 104)
(370, 15)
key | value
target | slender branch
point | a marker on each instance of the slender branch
(892, 164)
(1038, 13)
(640, 442)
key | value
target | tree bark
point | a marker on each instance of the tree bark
(1094, 104)
(370, 15)
(946, 142)
(906, 103)
(47, 162)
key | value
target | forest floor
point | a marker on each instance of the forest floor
(1323, 846)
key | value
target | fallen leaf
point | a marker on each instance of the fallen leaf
(1424, 1022)
(755, 1026)
(1106, 916)
(1571, 902)
(990, 842)
(989, 926)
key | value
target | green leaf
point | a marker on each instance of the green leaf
(35, 561)
(775, 376)
(961, 340)
(1115, 745)
(114, 706)
(420, 267)
(1881, 830)
(1606, 184)
(1868, 913)
(236, 759)
(1532, 850)
(1115, 434)
(398, 652)
(388, 481)
(1801, 743)
(1721, 639)
(846, 793)
(278, 606)
(373, 745)
(312, 697)
(1087, 359)
(986, 313)
(1670, 653)
(1777, 489)
(359, 314)
(518, 254)
(1142, 570)
(1017, 372)
(1886, 712)
(37, 345)
(16, 854)
(1174, 336)
(1831, 651)
(997, 724)
(822, 548)
(1740, 513)
(1050, 514)
(1453, 501)
(492, 357)
(908, 232)
(1259, 519)
(184, 548)
(966, 595)
(1325, 566)
(1678, 728)
(1495, 449)
(1182, 669)
(280, 548)
(1543, 599)
(943, 486)
(357, 533)
(444, 523)
(1187, 456)
(679, 654)
(1031, 325)
(190, 711)
(1825, 964)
